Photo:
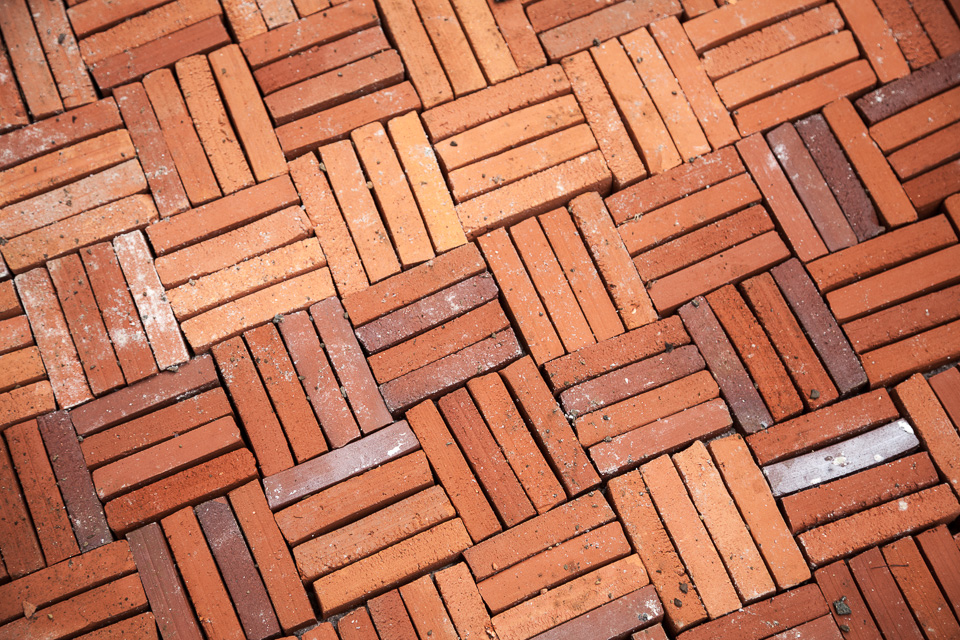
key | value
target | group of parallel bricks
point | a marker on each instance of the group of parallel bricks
(513, 319)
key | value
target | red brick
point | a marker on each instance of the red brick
(914, 123)
(426, 610)
(655, 632)
(920, 589)
(940, 25)
(943, 556)
(21, 549)
(463, 601)
(13, 113)
(21, 368)
(452, 48)
(883, 596)
(9, 302)
(910, 36)
(15, 334)
(26, 402)
(928, 190)
(357, 625)
(426, 72)
(390, 617)
(926, 154)
(29, 64)
(837, 585)
(933, 426)
(732, 21)
(515, 28)
(875, 38)
(947, 387)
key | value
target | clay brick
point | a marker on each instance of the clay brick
(923, 352)
(27, 58)
(909, 34)
(390, 567)
(25, 403)
(66, 579)
(947, 387)
(199, 570)
(655, 632)
(15, 334)
(613, 619)
(53, 338)
(420, 164)
(551, 284)
(667, 94)
(187, 487)
(129, 66)
(572, 599)
(223, 215)
(916, 122)
(463, 601)
(883, 596)
(338, 465)
(426, 609)
(944, 559)
(359, 211)
(837, 585)
(357, 625)
(644, 124)
(840, 176)
(426, 72)
(876, 39)
(940, 25)
(21, 368)
(926, 154)
(390, 617)
(163, 587)
(767, 42)
(496, 101)
(325, 630)
(212, 123)
(734, 20)
(521, 39)
(892, 203)
(879, 525)
(76, 486)
(927, 191)
(933, 426)
(392, 193)
(85, 612)
(352, 500)
(522, 300)
(373, 533)
(609, 22)
(152, 150)
(904, 320)
(237, 567)
(102, 14)
(863, 490)
(335, 123)
(59, 132)
(847, 81)
(547, 14)
(9, 302)
(452, 48)
(13, 113)
(605, 123)
(21, 549)
(646, 231)
(920, 589)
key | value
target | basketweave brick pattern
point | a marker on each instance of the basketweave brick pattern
(479, 319)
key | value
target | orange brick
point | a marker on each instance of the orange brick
(874, 36)
(426, 72)
(736, 19)
(13, 113)
(463, 601)
(28, 61)
(15, 334)
(933, 426)
(453, 49)
(20, 368)
(426, 609)
(523, 42)
(63, 55)
(25, 403)
(920, 589)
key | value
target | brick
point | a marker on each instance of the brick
(875, 38)
(840, 177)
(426, 609)
(22, 553)
(894, 207)
(551, 284)
(732, 21)
(420, 164)
(237, 567)
(15, 334)
(322, 388)
(129, 66)
(847, 81)
(928, 190)
(916, 122)
(581, 273)
(9, 302)
(110, 185)
(622, 615)
(161, 583)
(357, 625)
(608, 22)
(152, 150)
(392, 524)
(946, 385)
(20, 368)
(323, 631)
(390, 567)
(29, 63)
(158, 319)
(84, 612)
(63, 166)
(353, 499)
(13, 113)
(76, 486)
(187, 487)
(942, 556)
(463, 601)
(933, 426)
(644, 124)
(452, 48)
(320, 59)
(923, 352)
(58, 132)
(910, 36)
(605, 123)
(547, 14)
(882, 595)
(223, 215)
(565, 561)
(26, 402)
(200, 574)
(493, 102)
(485, 458)
(919, 588)
(667, 95)
(143, 625)
(689, 214)
(103, 14)
(940, 26)
(879, 525)
(924, 155)
(825, 335)
(335, 123)
(634, 379)
(359, 211)
(837, 585)
(767, 42)
(426, 72)
(393, 194)
(211, 121)
(655, 632)
(903, 321)
(338, 465)
(522, 301)
(390, 616)
(812, 189)
(522, 41)
(53, 338)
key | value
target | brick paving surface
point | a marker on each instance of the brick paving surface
(479, 319)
